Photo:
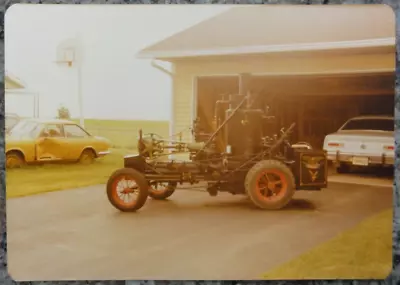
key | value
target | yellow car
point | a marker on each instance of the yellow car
(35, 141)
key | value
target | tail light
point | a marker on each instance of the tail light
(388, 147)
(335, 144)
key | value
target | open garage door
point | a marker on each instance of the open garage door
(318, 104)
(209, 90)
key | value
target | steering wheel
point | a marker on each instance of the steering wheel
(153, 135)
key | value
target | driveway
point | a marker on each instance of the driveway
(76, 234)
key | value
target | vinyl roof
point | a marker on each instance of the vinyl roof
(263, 28)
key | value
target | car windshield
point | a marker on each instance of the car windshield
(26, 128)
(386, 125)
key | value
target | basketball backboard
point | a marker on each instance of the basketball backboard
(67, 52)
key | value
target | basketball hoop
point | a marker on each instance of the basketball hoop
(64, 62)
(66, 52)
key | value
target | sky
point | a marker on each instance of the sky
(115, 84)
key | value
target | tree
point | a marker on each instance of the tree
(63, 113)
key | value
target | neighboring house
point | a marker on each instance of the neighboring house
(321, 67)
(15, 86)
(12, 82)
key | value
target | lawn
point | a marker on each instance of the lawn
(364, 252)
(124, 134)
(52, 177)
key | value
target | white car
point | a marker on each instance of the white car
(362, 141)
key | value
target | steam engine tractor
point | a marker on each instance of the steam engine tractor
(238, 157)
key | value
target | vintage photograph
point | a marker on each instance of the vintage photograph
(215, 142)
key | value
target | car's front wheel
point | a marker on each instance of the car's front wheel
(87, 157)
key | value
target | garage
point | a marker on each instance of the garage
(315, 76)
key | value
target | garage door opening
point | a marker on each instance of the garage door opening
(318, 105)
(209, 90)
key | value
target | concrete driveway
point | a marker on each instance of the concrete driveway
(76, 234)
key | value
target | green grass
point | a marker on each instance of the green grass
(364, 252)
(53, 177)
(124, 134)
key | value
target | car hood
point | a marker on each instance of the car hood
(103, 139)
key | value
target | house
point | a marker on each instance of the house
(12, 82)
(314, 65)
(16, 87)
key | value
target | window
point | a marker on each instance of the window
(26, 128)
(54, 130)
(386, 125)
(74, 131)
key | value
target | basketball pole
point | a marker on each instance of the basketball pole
(80, 97)
(79, 74)
(74, 62)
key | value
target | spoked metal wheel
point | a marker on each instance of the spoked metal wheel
(127, 190)
(161, 190)
(270, 184)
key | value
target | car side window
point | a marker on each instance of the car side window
(74, 131)
(53, 130)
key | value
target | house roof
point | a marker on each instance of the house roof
(12, 82)
(261, 28)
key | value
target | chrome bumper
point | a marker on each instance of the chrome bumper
(372, 159)
(103, 153)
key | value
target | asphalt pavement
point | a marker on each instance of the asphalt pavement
(77, 234)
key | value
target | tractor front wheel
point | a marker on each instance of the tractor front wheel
(270, 184)
(162, 191)
(127, 190)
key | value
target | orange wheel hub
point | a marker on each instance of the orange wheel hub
(271, 185)
(124, 191)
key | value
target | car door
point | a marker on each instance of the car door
(78, 139)
(51, 143)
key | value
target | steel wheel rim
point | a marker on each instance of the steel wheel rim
(271, 185)
(156, 189)
(125, 191)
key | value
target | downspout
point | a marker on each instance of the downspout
(171, 74)
(155, 65)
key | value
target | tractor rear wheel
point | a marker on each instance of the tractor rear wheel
(270, 184)
(127, 190)
(162, 191)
